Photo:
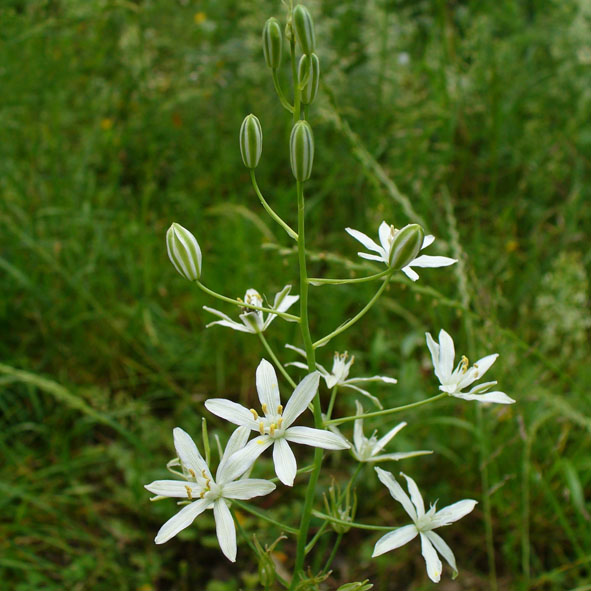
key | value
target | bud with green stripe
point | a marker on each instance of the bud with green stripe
(184, 252)
(301, 150)
(406, 245)
(251, 141)
(272, 43)
(309, 71)
(304, 29)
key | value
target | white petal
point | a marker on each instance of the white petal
(297, 364)
(413, 275)
(385, 379)
(226, 321)
(498, 397)
(181, 520)
(285, 462)
(372, 257)
(174, 488)
(287, 303)
(434, 566)
(383, 441)
(399, 456)
(301, 397)
(296, 349)
(415, 495)
(316, 438)
(446, 355)
(444, 550)
(231, 411)
(364, 239)
(384, 233)
(397, 492)
(280, 296)
(253, 321)
(484, 364)
(427, 261)
(434, 350)
(358, 436)
(248, 488)
(395, 539)
(454, 512)
(188, 452)
(237, 441)
(267, 386)
(243, 459)
(225, 529)
(365, 393)
(429, 239)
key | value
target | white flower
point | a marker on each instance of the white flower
(387, 234)
(339, 375)
(275, 424)
(206, 493)
(423, 525)
(254, 321)
(453, 381)
(367, 450)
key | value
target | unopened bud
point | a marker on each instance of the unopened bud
(272, 43)
(361, 586)
(304, 29)
(406, 245)
(184, 252)
(301, 150)
(309, 70)
(251, 141)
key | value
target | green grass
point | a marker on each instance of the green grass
(121, 117)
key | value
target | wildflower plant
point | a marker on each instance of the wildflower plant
(276, 428)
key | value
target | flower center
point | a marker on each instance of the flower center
(270, 423)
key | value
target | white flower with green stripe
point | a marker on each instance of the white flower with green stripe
(423, 525)
(184, 252)
(202, 491)
(274, 423)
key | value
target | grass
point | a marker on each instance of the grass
(121, 117)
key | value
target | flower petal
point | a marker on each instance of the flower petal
(403, 455)
(397, 492)
(227, 470)
(415, 495)
(358, 436)
(444, 550)
(296, 349)
(248, 488)
(225, 529)
(385, 234)
(267, 386)
(385, 379)
(454, 512)
(301, 397)
(434, 566)
(372, 257)
(395, 539)
(178, 489)
(429, 239)
(434, 350)
(188, 452)
(446, 356)
(413, 275)
(365, 393)
(364, 239)
(243, 459)
(383, 441)
(232, 412)
(427, 261)
(316, 438)
(181, 520)
(226, 321)
(498, 397)
(285, 462)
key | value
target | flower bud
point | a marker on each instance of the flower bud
(184, 252)
(251, 141)
(361, 586)
(309, 68)
(272, 43)
(304, 29)
(301, 150)
(406, 245)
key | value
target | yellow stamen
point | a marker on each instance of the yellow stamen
(188, 489)
(272, 429)
(255, 414)
(203, 473)
(264, 407)
(192, 472)
(279, 422)
(465, 364)
(261, 428)
(280, 409)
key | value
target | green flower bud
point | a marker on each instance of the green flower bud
(406, 245)
(251, 141)
(301, 150)
(361, 586)
(304, 29)
(272, 43)
(309, 67)
(184, 252)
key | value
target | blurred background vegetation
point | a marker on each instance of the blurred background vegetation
(119, 117)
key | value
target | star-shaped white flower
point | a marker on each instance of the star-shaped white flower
(423, 525)
(205, 492)
(339, 375)
(386, 235)
(368, 449)
(453, 381)
(255, 321)
(275, 424)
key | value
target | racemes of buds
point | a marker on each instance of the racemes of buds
(272, 43)
(406, 245)
(309, 77)
(304, 29)
(251, 141)
(184, 252)
(301, 150)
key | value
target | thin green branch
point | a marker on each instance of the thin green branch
(351, 523)
(276, 361)
(317, 281)
(285, 103)
(258, 513)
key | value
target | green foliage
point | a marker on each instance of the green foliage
(120, 118)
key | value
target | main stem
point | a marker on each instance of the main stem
(311, 359)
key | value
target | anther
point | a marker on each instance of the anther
(465, 364)
(255, 414)
(272, 429)
(279, 422)
(192, 473)
(280, 409)
(261, 428)
(264, 407)
(188, 489)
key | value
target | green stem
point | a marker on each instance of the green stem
(269, 209)
(258, 513)
(316, 537)
(388, 411)
(242, 304)
(286, 104)
(333, 397)
(326, 281)
(275, 360)
(351, 523)
(333, 553)
(357, 317)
